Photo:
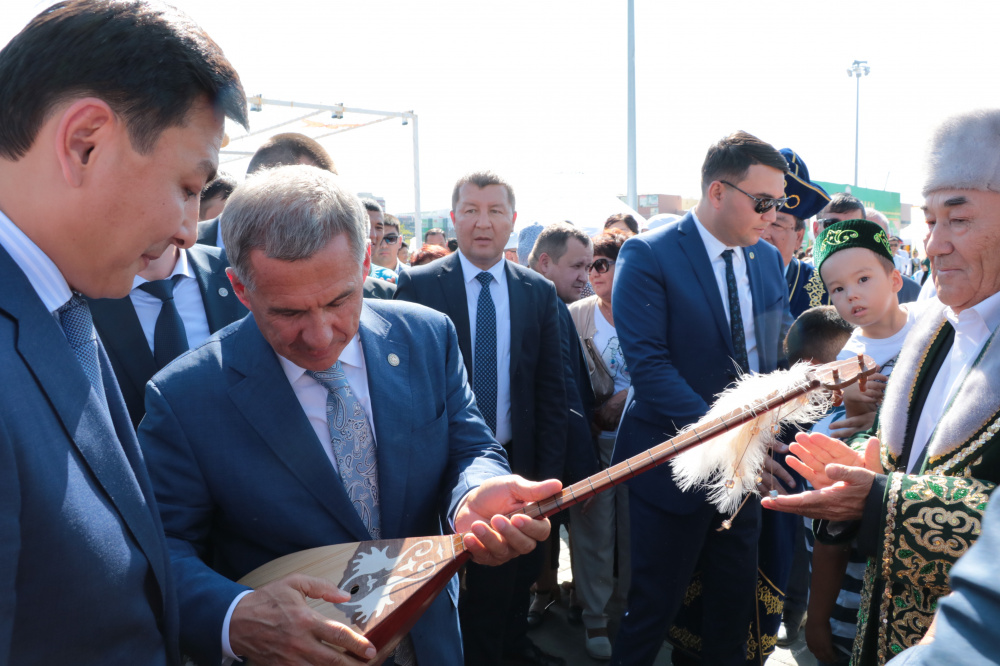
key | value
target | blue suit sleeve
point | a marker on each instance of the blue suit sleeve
(10, 542)
(186, 510)
(643, 322)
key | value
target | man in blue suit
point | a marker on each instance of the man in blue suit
(252, 456)
(113, 117)
(131, 327)
(696, 303)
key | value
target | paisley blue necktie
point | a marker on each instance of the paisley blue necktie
(484, 364)
(353, 445)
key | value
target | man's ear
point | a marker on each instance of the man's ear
(366, 265)
(85, 129)
(239, 288)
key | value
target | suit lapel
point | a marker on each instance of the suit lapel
(452, 282)
(91, 432)
(519, 296)
(221, 305)
(121, 333)
(263, 393)
(692, 246)
(750, 256)
(388, 380)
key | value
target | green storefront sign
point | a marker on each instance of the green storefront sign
(886, 203)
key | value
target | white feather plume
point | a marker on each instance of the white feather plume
(738, 454)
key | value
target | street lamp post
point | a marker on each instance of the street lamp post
(857, 69)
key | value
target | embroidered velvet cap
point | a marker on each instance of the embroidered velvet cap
(805, 198)
(851, 233)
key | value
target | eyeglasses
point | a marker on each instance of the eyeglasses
(390, 239)
(601, 265)
(761, 205)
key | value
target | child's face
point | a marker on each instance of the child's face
(859, 287)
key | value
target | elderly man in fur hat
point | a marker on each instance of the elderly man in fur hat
(914, 497)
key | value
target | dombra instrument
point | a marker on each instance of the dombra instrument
(393, 581)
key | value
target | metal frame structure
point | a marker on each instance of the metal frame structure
(857, 69)
(257, 103)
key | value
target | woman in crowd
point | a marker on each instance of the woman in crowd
(593, 531)
(427, 254)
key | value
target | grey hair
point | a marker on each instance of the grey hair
(878, 218)
(291, 213)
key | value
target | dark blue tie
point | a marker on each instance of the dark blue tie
(169, 336)
(77, 324)
(735, 315)
(484, 364)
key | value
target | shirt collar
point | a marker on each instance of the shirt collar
(469, 271)
(987, 311)
(351, 356)
(181, 267)
(44, 276)
(713, 245)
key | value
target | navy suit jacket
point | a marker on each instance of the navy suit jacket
(84, 575)
(120, 330)
(676, 340)
(208, 232)
(537, 388)
(242, 479)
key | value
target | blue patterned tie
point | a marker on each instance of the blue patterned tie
(353, 445)
(169, 336)
(735, 314)
(484, 365)
(77, 324)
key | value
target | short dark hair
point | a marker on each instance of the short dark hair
(818, 335)
(452, 244)
(371, 205)
(482, 179)
(731, 158)
(221, 186)
(608, 243)
(287, 149)
(553, 239)
(842, 202)
(435, 230)
(390, 220)
(149, 63)
(629, 221)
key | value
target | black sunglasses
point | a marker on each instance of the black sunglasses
(390, 239)
(602, 265)
(760, 205)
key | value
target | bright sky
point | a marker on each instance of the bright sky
(537, 90)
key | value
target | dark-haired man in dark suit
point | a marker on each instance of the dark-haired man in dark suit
(510, 337)
(175, 304)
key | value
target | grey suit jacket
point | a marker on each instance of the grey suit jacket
(121, 332)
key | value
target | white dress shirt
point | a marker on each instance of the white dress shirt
(44, 276)
(715, 248)
(501, 301)
(973, 328)
(312, 396)
(218, 236)
(187, 299)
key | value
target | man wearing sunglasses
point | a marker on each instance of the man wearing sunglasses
(696, 303)
(386, 254)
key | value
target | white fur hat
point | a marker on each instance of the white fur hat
(965, 153)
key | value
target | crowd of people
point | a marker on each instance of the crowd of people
(204, 375)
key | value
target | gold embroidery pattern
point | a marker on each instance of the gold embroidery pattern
(986, 435)
(836, 237)
(686, 639)
(772, 602)
(890, 528)
(913, 610)
(867, 589)
(693, 591)
(880, 237)
(814, 287)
